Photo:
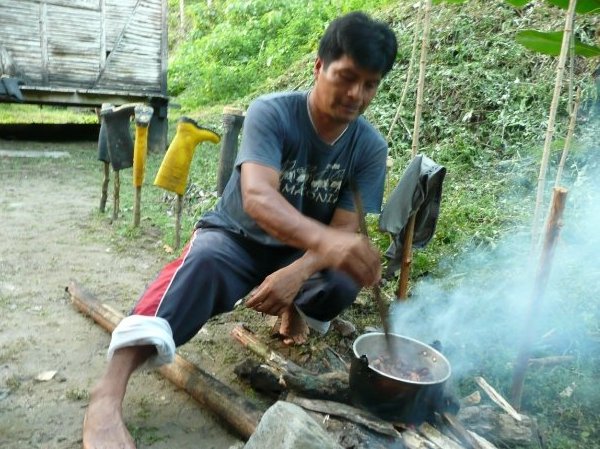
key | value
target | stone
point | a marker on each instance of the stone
(288, 426)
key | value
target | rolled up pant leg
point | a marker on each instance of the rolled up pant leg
(214, 271)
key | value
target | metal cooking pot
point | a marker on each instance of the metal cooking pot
(396, 398)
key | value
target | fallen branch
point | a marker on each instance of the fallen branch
(242, 415)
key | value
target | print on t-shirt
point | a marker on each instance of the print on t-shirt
(320, 186)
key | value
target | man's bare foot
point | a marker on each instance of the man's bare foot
(103, 426)
(293, 327)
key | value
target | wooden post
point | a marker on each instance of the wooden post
(406, 262)
(552, 232)
(242, 415)
(105, 181)
(137, 201)
(178, 212)
(232, 123)
(116, 194)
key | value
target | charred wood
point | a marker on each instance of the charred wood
(500, 429)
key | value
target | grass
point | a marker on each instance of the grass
(21, 113)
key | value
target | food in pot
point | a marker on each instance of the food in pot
(393, 366)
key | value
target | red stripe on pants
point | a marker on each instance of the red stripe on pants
(150, 300)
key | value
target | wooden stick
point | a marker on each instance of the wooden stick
(406, 261)
(460, 432)
(441, 440)
(381, 306)
(137, 205)
(552, 231)
(116, 193)
(178, 212)
(567, 147)
(497, 398)
(242, 415)
(560, 69)
(105, 180)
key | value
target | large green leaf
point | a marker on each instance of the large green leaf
(551, 42)
(518, 3)
(583, 6)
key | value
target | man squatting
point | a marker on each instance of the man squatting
(285, 230)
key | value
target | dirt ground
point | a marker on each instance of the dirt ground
(50, 233)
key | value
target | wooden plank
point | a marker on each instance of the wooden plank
(78, 4)
(44, 39)
(20, 35)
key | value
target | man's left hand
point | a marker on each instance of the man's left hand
(277, 292)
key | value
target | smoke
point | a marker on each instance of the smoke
(480, 312)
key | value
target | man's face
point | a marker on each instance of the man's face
(343, 90)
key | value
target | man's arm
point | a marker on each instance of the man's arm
(326, 246)
(277, 292)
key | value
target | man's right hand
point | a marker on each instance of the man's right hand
(351, 253)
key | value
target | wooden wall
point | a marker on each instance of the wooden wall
(116, 45)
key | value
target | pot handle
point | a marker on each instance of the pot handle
(364, 361)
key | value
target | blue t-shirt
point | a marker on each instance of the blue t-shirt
(314, 176)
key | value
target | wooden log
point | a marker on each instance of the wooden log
(238, 412)
(329, 386)
(499, 428)
(347, 412)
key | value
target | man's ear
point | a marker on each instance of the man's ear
(318, 66)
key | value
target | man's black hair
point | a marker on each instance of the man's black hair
(370, 43)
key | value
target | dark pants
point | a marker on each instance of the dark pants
(217, 268)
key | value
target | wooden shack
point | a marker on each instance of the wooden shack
(89, 52)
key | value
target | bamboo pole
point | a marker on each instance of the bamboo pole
(402, 291)
(567, 147)
(242, 415)
(560, 70)
(553, 226)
